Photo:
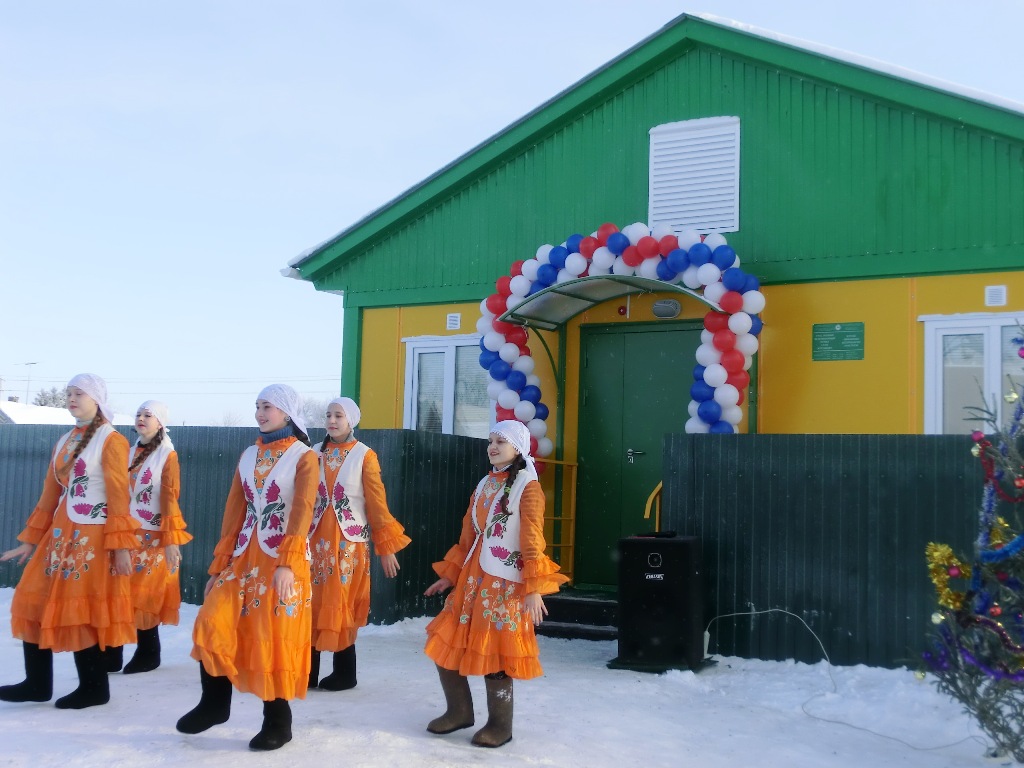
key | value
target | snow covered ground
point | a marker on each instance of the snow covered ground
(736, 713)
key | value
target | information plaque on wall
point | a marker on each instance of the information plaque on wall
(837, 341)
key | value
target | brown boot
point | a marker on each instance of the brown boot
(459, 700)
(498, 730)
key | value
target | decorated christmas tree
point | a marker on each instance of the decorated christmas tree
(977, 649)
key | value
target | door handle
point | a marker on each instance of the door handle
(630, 453)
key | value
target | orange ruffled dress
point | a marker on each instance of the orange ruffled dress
(244, 631)
(341, 568)
(483, 627)
(156, 591)
(68, 598)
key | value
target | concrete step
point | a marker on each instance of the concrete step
(573, 631)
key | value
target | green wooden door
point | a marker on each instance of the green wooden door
(634, 387)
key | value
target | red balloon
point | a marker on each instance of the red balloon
(724, 339)
(533, 445)
(632, 256)
(504, 414)
(503, 285)
(541, 466)
(517, 335)
(667, 244)
(588, 245)
(741, 398)
(517, 268)
(647, 246)
(502, 327)
(524, 351)
(496, 303)
(604, 231)
(739, 379)
(731, 302)
(732, 360)
(716, 321)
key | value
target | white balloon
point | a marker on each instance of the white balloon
(706, 336)
(715, 291)
(747, 362)
(753, 302)
(696, 427)
(530, 267)
(714, 240)
(622, 268)
(509, 352)
(690, 279)
(602, 258)
(525, 410)
(635, 231)
(707, 355)
(493, 340)
(537, 428)
(576, 264)
(662, 230)
(732, 414)
(508, 399)
(513, 301)
(520, 285)
(708, 274)
(542, 254)
(523, 363)
(740, 323)
(649, 268)
(747, 343)
(691, 408)
(544, 446)
(726, 394)
(495, 388)
(715, 375)
(484, 325)
(484, 311)
(532, 379)
(688, 238)
(563, 275)
(735, 263)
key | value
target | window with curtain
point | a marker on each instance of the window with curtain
(446, 389)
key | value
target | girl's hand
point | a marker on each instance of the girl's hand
(284, 583)
(173, 554)
(209, 585)
(22, 552)
(122, 562)
(438, 587)
(534, 605)
(390, 565)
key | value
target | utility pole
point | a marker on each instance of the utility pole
(28, 379)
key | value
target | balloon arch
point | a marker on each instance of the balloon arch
(728, 341)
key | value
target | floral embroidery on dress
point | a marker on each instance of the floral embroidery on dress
(497, 608)
(149, 555)
(290, 608)
(508, 558)
(91, 510)
(251, 588)
(324, 561)
(69, 558)
(468, 599)
(271, 517)
(79, 480)
(335, 458)
(265, 461)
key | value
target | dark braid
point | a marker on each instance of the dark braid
(96, 423)
(146, 449)
(301, 436)
(513, 471)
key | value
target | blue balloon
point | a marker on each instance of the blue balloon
(617, 243)
(721, 428)
(699, 254)
(701, 391)
(557, 257)
(709, 411)
(487, 358)
(572, 243)
(698, 373)
(734, 279)
(665, 272)
(723, 257)
(756, 324)
(482, 347)
(753, 284)
(547, 274)
(499, 370)
(530, 392)
(535, 287)
(678, 259)
(542, 412)
(515, 380)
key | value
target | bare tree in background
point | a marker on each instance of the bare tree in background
(314, 412)
(52, 398)
(229, 419)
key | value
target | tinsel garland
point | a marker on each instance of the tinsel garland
(995, 628)
(941, 559)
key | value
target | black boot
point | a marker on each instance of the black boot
(459, 700)
(147, 653)
(498, 730)
(277, 726)
(214, 705)
(113, 657)
(93, 687)
(344, 675)
(38, 682)
(314, 667)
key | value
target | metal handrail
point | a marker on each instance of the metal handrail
(654, 500)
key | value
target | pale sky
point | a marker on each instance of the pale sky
(160, 162)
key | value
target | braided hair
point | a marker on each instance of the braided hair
(146, 450)
(518, 463)
(96, 423)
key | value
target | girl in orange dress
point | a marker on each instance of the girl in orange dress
(253, 629)
(155, 485)
(75, 594)
(351, 488)
(499, 572)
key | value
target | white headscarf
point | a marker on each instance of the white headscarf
(348, 405)
(96, 388)
(160, 411)
(288, 400)
(516, 433)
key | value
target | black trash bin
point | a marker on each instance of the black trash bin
(661, 604)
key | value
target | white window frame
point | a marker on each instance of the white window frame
(417, 345)
(988, 324)
(694, 175)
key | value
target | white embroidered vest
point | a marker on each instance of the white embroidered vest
(500, 555)
(144, 503)
(86, 491)
(267, 509)
(346, 496)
